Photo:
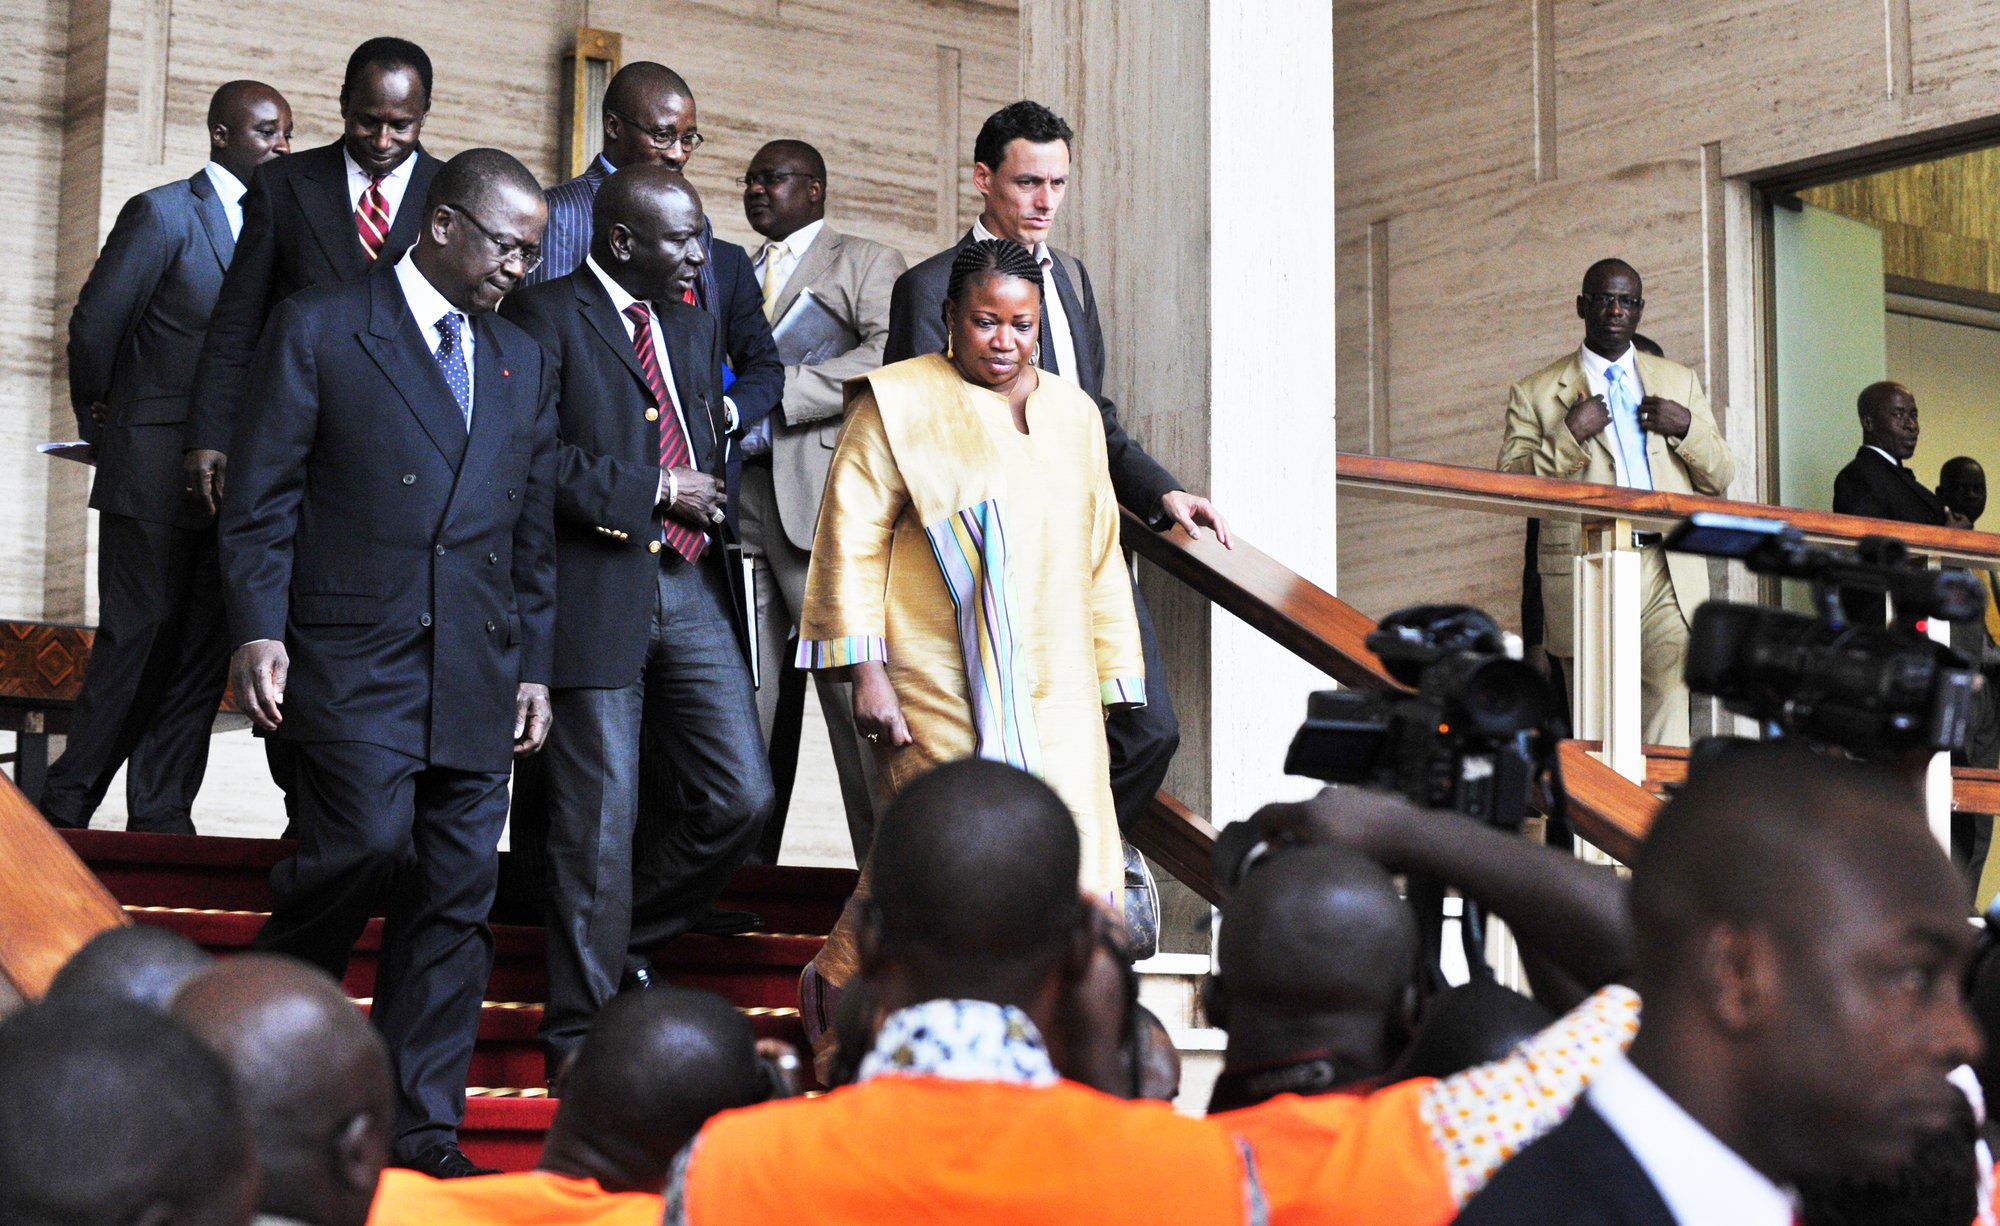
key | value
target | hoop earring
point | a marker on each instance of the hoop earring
(1035, 358)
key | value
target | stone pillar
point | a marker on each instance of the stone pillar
(1202, 202)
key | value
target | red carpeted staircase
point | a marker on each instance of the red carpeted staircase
(216, 892)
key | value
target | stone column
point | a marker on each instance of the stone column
(1202, 202)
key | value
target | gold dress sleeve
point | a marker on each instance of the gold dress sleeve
(844, 620)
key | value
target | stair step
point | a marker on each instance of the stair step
(510, 1054)
(232, 874)
(757, 969)
(504, 1128)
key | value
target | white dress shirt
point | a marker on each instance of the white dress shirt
(1702, 1180)
(620, 300)
(797, 243)
(394, 184)
(427, 306)
(1893, 461)
(1052, 306)
(229, 190)
(1595, 369)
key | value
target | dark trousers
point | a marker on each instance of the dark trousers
(375, 822)
(1143, 739)
(156, 674)
(656, 792)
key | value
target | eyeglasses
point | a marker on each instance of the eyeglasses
(529, 254)
(1631, 302)
(768, 179)
(663, 138)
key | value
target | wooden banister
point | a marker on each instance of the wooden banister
(50, 904)
(1480, 489)
(1290, 610)
(1181, 842)
(1605, 807)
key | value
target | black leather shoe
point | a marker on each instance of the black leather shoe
(445, 1160)
(717, 923)
(639, 978)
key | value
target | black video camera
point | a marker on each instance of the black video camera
(1871, 690)
(1475, 736)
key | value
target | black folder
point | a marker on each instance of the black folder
(810, 333)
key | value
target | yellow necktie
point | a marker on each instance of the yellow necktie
(1992, 608)
(772, 281)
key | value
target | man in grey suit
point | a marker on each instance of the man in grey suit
(1020, 164)
(804, 261)
(156, 669)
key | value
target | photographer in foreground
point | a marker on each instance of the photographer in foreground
(1316, 989)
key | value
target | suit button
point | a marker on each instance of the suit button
(409, 478)
(425, 620)
(440, 551)
(652, 415)
(492, 559)
(490, 627)
(510, 495)
(652, 547)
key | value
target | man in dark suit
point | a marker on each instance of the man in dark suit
(1802, 947)
(1877, 483)
(1020, 164)
(647, 661)
(649, 117)
(156, 668)
(318, 217)
(388, 549)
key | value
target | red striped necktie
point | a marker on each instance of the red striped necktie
(371, 218)
(674, 450)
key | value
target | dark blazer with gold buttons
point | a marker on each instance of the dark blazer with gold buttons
(608, 520)
(408, 566)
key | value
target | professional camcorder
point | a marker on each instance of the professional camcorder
(1479, 731)
(1871, 690)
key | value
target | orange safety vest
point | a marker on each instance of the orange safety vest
(523, 1198)
(927, 1149)
(1347, 1159)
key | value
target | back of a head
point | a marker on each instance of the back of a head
(1752, 814)
(472, 177)
(1474, 1023)
(1316, 931)
(636, 197)
(976, 871)
(655, 1066)
(140, 964)
(111, 1112)
(313, 1076)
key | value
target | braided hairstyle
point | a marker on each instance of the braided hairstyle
(989, 257)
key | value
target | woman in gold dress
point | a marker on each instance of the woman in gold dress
(966, 574)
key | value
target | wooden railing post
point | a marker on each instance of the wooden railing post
(1605, 693)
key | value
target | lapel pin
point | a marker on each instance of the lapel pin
(504, 372)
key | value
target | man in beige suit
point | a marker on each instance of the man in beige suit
(1610, 414)
(785, 457)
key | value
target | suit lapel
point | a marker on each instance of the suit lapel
(595, 306)
(818, 258)
(1573, 385)
(321, 193)
(1072, 311)
(404, 357)
(410, 213)
(493, 383)
(692, 388)
(214, 219)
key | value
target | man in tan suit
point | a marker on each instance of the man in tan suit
(785, 458)
(1610, 414)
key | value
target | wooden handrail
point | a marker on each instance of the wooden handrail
(1480, 489)
(1181, 842)
(50, 904)
(1293, 612)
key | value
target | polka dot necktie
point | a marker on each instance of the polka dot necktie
(451, 360)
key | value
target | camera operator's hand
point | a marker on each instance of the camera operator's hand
(1351, 817)
(1587, 418)
(1662, 416)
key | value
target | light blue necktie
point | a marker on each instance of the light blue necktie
(1620, 398)
(451, 360)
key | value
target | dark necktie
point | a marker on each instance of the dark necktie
(674, 449)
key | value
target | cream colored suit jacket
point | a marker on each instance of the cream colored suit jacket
(852, 277)
(1539, 443)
